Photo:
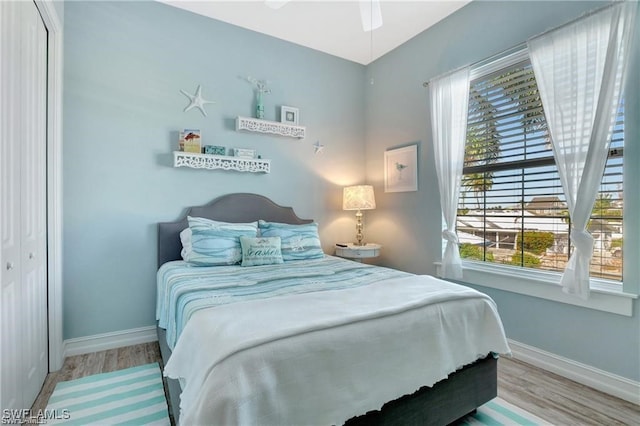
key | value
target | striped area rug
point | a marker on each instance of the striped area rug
(133, 396)
(499, 412)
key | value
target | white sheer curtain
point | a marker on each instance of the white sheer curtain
(449, 96)
(579, 71)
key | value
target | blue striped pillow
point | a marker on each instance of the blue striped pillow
(215, 243)
(298, 242)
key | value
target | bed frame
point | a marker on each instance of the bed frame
(443, 403)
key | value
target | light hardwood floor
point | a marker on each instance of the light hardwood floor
(78, 366)
(558, 400)
(553, 398)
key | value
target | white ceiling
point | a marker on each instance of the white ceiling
(330, 26)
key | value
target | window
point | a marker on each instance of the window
(512, 209)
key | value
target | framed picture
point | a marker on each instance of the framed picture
(401, 169)
(190, 141)
(289, 115)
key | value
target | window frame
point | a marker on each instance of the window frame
(605, 295)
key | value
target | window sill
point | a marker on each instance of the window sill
(605, 296)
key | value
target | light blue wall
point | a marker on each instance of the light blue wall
(408, 225)
(125, 63)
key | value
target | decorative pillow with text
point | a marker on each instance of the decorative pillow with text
(261, 251)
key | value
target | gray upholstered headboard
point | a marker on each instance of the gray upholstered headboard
(234, 208)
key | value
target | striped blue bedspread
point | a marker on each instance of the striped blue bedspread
(184, 289)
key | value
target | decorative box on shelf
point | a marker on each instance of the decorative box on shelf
(273, 127)
(206, 161)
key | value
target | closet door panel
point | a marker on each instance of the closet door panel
(33, 210)
(23, 233)
(10, 234)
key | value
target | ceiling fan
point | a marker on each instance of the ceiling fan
(370, 13)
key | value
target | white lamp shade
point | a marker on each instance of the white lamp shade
(359, 197)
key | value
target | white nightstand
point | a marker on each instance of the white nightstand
(352, 251)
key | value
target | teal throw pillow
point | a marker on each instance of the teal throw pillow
(215, 243)
(299, 242)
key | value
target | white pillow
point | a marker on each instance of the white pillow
(185, 239)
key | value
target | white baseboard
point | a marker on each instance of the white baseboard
(601, 380)
(103, 342)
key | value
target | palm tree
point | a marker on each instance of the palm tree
(483, 143)
(521, 88)
(518, 87)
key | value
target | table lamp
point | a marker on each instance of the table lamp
(358, 197)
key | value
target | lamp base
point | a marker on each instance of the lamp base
(359, 227)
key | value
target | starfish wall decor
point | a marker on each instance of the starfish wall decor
(196, 101)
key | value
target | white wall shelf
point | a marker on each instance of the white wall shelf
(207, 161)
(264, 126)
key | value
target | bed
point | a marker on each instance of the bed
(268, 368)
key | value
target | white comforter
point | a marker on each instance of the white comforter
(324, 357)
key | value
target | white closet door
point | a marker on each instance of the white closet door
(10, 204)
(32, 145)
(23, 330)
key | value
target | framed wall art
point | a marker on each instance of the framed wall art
(401, 169)
(289, 115)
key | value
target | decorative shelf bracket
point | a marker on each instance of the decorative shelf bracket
(207, 161)
(273, 127)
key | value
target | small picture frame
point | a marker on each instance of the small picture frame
(244, 153)
(401, 169)
(215, 150)
(289, 115)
